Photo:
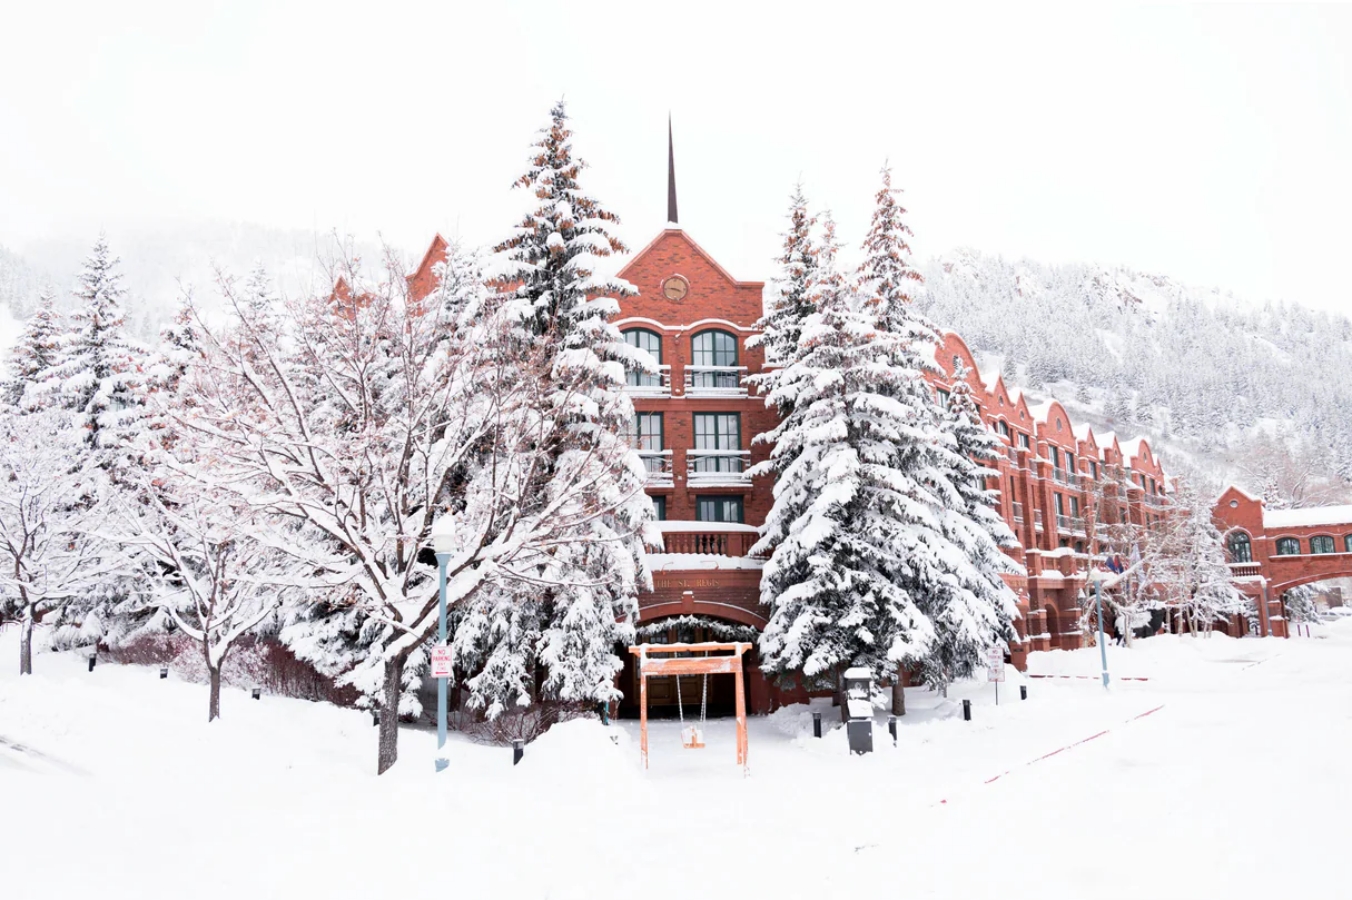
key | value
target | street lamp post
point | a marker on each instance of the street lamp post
(443, 543)
(1096, 575)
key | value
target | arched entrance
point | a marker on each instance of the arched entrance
(1053, 626)
(669, 695)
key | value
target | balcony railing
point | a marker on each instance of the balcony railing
(1244, 570)
(1037, 519)
(708, 538)
(707, 468)
(1018, 513)
(1156, 500)
(644, 385)
(1013, 455)
(715, 381)
(1062, 522)
(658, 464)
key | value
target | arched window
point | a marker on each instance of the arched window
(1241, 551)
(1321, 543)
(714, 361)
(1288, 546)
(650, 341)
(1004, 429)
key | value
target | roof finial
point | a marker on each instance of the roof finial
(671, 176)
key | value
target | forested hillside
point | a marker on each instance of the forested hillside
(1254, 393)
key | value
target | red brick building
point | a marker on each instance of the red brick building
(695, 424)
(1273, 550)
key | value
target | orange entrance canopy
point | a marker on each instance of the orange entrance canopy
(658, 660)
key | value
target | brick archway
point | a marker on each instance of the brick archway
(1053, 626)
(1280, 587)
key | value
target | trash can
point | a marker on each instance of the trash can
(859, 709)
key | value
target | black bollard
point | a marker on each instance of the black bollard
(892, 728)
(518, 750)
(967, 710)
(258, 693)
(164, 672)
(816, 724)
(91, 663)
(1023, 692)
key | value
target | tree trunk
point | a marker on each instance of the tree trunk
(389, 716)
(26, 643)
(839, 698)
(214, 705)
(899, 692)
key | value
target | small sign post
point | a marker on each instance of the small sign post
(995, 671)
(441, 661)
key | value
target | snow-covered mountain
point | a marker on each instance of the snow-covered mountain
(1239, 391)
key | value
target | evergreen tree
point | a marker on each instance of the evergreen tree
(97, 376)
(976, 612)
(38, 350)
(564, 307)
(852, 505)
(781, 326)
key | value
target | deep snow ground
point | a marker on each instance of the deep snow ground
(113, 785)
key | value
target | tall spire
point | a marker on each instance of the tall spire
(671, 176)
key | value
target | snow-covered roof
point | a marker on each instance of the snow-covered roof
(1307, 518)
(1041, 411)
(1083, 432)
(1132, 447)
(1243, 493)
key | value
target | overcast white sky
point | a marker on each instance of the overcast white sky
(1211, 143)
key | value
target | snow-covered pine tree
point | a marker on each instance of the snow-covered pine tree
(976, 613)
(38, 350)
(965, 585)
(548, 274)
(787, 304)
(97, 376)
(852, 509)
(886, 276)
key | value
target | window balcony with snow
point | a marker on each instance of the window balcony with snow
(1037, 519)
(707, 538)
(715, 468)
(643, 384)
(715, 381)
(658, 465)
(1018, 512)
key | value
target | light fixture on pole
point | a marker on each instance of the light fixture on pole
(1098, 576)
(443, 544)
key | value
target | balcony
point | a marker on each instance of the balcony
(1013, 455)
(645, 385)
(658, 465)
(1156, 501)
(715, 381)
(707, 538)
(717, 468)
(1037, 519)
(1244, 570)
(1018, 513)
(1070, 524)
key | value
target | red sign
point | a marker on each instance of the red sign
(441, 661)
